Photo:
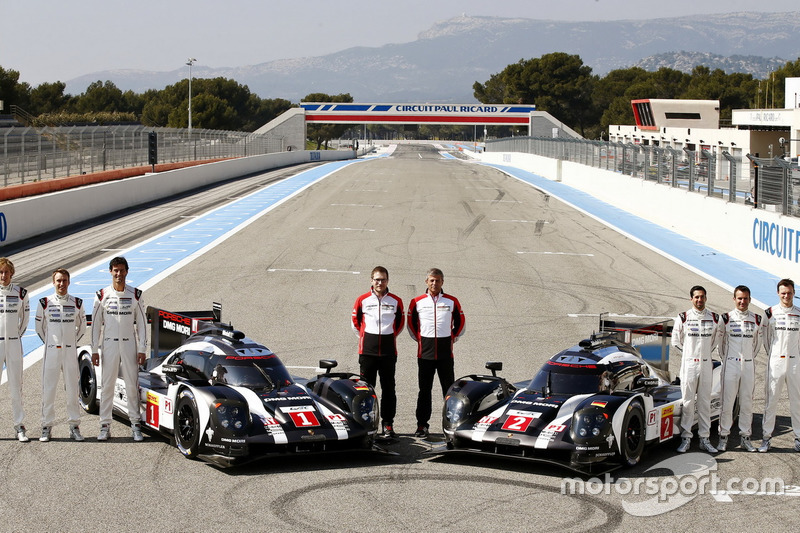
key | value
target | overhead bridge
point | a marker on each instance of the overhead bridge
(347, 113)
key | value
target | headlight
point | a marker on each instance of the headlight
(590, 424)
(365, 409)
(456, 408)
(231, 416)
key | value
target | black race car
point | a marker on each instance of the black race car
(226, 398)
(594, 406)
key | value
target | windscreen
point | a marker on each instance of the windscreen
(257, 373)
(567, 380)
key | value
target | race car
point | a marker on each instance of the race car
(227, 399)
(594, 406)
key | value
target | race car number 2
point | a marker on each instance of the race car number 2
(519, 420)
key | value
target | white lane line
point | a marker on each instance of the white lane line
(324, 270)
(616, 315)
(341, 229)
(358, 205)
(516, 220)
(557, 253)
(500, 201)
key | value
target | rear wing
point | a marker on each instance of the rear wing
(169, 329)
(651, 339)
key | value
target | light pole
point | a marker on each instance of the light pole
(190, 62)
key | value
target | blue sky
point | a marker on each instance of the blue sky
(49, 40)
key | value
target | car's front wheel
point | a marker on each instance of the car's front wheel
(87, 384)
(633, 436)
(187, 424)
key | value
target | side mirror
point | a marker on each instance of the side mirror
(494, 366)
(648, 383)
(328, 364)
(172, 370)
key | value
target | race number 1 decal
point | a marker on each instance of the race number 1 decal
(304, 419)
(151, 410)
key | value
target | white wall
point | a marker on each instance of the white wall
(29, 217)
(764, 239)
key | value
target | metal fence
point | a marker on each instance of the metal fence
(772, 184)
(33, 154)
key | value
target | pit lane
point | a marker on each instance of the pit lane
(519, 261)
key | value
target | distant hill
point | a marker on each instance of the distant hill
(759, 67)
(443, 62)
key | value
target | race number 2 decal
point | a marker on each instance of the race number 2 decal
(519, 420)
(667, 422)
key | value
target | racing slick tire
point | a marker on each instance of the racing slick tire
(87, 385)
(633, 435)
(187, 424)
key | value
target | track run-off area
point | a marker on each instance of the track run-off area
(286, 261)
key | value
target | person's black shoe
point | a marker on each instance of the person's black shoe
(422, 431)
(388, 433)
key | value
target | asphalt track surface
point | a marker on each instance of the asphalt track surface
(531, 273)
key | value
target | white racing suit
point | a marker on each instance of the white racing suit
(696, 334)
(14, 313)
(60, 323)
(782, 343)
(119, 331)
(740, 342)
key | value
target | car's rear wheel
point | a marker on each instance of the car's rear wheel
(87, 385)
(633, 436)
(187, 424)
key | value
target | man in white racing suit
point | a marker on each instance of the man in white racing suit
(119, 331)
(782, 343)
(739, 344)
(14, 313)
(695, 335)
(60, 323)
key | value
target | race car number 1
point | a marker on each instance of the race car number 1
(304, 419)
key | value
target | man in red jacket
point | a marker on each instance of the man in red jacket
(377, 319)
(435, 321)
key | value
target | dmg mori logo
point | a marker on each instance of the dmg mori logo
(315, 156)
(3, 227)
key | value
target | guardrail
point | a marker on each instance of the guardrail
(33, 154)
(772, 184)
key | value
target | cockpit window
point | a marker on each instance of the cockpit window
(569, 380)
(257, 373)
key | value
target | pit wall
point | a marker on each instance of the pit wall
(32, 216)
(765, 239)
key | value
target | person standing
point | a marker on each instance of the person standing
(119, 332)
(435, 322)
(696, 334)
(60, 323)
(739, 344)
(14, 314)
(377, 318)
(782, 344)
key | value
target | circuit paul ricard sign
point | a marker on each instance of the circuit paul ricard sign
(495, 114)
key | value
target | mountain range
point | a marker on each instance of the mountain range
(444, 61)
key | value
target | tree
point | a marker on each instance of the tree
(99, 97)
(12, 91)
(49, 98)
(322, 133)
(558, 83)
(778, 82)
